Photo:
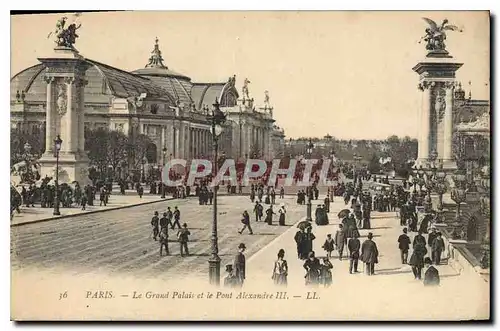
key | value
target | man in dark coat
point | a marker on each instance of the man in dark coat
(340, 240)
(154, 224)
(437, 249)
(353, 246)
(246, 223)
(299, 240)
(230, 280)
(369, 254)
(419, 239)
(308, 241)
(431, 277)
(239, 264)
(417, 259)
(431, 237)
(404, 245)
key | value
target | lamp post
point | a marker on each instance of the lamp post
(485, 207)
(143, 175)
(421, 181)
(309, 150)
(217, 118)
(458, 193)
(440, 186)
(414, 180)
(57, 144)
(162, 174)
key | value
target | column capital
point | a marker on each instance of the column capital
(449, 85)
(69, 80)
(48, 79)
(426, 85)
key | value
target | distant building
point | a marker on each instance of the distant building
(156, 101)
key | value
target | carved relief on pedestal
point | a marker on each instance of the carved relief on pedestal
(61, 99)
(440, 103)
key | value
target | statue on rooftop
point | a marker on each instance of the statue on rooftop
(436, 35)
(66, 36)
(245, 89)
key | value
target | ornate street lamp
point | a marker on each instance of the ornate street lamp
(414, 180)
(421, 181)
(485, 207)
(440, 186)
(458, 193)
(217, 119)
(144, 160)
(309, 150)
(57, 144)
(162, 179)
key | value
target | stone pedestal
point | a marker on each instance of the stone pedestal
(437, 81)
(65, 78)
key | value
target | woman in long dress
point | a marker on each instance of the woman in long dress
(282, 213)
(312, 267)
(280, 271)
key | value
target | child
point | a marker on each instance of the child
(328, 246)
(325, 273)
(164, 241)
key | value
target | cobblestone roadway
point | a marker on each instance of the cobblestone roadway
(119, 242)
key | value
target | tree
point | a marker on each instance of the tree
(18, 139)
(105, 147)
(374, 165)
(137, 149)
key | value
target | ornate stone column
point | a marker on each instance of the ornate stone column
(65, 77)
(49, 117)
(448, 123)
(425, 119)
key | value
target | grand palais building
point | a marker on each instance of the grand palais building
(164, 105)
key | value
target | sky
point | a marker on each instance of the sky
(347, 74)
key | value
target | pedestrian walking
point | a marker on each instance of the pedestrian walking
(280, 270)
(437, 249)
(269, 215)
(177, 217)
(154, 224)
(419, 239)
(230, 280)
(313, 268)
(340, 240)
(258, 211)
(431, 276)
(417, 259)
(246, 223)
(353, 246)
(164, 221)
(325, 273)
(328, 245)
(299, 240)
(430, 238)
(369, 254)
(183, 236)
(102, 196)
(282, 193)
(308, 241)
(240, 264)
(404, 245)
(282, 215)
(164, 241)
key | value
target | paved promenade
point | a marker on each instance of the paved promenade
(393, 286)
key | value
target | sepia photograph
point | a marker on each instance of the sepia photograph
(250, 166)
